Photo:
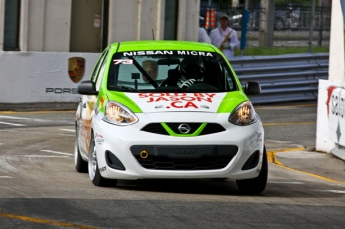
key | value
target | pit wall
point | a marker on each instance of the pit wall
(28, 77)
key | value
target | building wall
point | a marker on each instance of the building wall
(57, 25)
(45, 25)
(36, 22)
(188, 20)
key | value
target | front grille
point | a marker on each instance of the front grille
(157, 128)
(212, 128)
(174, 127)
(206, 157)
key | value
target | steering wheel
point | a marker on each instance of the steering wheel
(187, 83)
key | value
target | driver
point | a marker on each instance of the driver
(192, 69)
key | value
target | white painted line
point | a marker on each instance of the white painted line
(333, 191)
(69, 135)
(29, 119)
(338, 184)
(5, 177)
(69, 130)
(11, 124)
(13, 117)
(284, 182)
(42, 156)
(51, 151)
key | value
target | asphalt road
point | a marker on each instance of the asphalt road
(39, 187)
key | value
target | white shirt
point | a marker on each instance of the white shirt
(217, 36)
(203, 36)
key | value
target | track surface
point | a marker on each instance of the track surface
(39, 187)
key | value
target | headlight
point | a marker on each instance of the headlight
(243, 115)
(118, 114)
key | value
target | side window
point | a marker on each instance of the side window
(11, 30)
(101, 72)
(98, 65)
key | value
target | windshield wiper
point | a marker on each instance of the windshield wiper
(170, 89)
(123, 88)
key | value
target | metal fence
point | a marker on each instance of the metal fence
(285, 78)
(291, 23)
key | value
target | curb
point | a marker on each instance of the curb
(44, 106)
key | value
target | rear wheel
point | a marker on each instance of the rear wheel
(79, 163)
(258, 184)
(94, 173)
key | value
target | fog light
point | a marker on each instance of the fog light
(144, 154)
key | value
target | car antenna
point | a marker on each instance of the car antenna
(153, 35)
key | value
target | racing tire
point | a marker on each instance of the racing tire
(94, 173)
(256, 185)
(79, 163)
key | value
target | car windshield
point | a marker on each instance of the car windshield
(166, 70)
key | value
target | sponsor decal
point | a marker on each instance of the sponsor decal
(258, 137)
(103, 169)
(51, 90)
(99, 139)
(329, 96)
(101, 101)
(166, 52)
(185, 151)
(76, 68)
(336, 114)
(178, 100)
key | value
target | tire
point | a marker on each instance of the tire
(79, 163)
(94, 173)
(256, 185)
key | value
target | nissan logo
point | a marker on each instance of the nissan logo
(184, 128)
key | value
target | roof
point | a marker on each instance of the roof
(163, 45)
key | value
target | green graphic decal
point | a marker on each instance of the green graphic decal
(172, 133)
(231, 100)
(125, 100)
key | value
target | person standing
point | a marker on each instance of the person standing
(203, 36)
(224, 37)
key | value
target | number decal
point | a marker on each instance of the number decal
(123, 61)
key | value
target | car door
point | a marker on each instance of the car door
(87, 105)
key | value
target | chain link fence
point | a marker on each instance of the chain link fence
(292, 23)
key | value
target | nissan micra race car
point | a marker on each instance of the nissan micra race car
(168, 110)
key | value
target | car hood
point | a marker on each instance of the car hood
(179, 102)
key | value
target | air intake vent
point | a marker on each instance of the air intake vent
(157, 128)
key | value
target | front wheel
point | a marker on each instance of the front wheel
(94, 173)
(257, 184)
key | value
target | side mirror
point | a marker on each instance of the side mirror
(87, 87)
(252, 88)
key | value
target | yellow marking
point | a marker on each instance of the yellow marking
(272, 157)
(288, 123)
(44, 221)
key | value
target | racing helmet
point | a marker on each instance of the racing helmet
(192, 67)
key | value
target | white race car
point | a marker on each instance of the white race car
(168, 109)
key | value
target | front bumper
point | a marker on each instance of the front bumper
(217, 155)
